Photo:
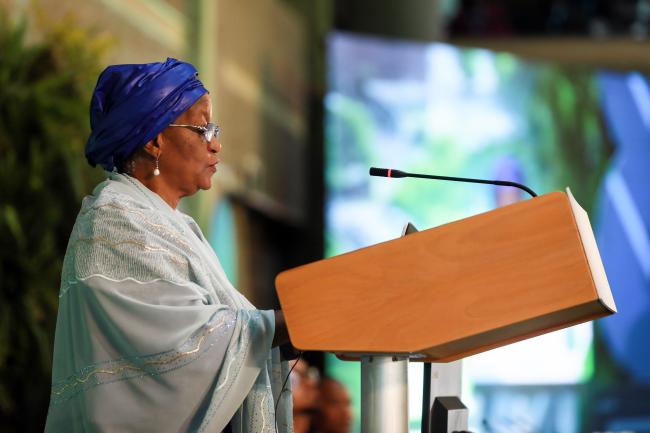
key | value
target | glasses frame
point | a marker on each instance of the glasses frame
(208, 131)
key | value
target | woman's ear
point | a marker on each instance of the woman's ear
(153, 148)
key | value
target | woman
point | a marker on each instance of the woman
(151, 336)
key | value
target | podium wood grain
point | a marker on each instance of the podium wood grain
(448, 292)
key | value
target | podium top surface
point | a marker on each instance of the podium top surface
(454, 290)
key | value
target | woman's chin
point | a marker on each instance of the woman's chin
(206, 183)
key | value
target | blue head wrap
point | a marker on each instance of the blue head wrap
(131, 104)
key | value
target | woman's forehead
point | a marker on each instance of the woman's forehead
(201, 110)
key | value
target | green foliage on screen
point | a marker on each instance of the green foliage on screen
(45, 88)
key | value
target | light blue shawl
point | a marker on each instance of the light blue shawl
(151, 336)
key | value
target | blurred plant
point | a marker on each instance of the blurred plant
(45, 87)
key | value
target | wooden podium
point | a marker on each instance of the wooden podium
(455, 290)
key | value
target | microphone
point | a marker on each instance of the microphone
(390, 172)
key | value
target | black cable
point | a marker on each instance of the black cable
(275, 414)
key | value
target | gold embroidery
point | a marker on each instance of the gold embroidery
(179, 355)
(225, 378)
(263, 413)
(66, 287)
(172, 256)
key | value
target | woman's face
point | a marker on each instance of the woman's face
(187, 161)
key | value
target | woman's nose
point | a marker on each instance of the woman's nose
(215, 145)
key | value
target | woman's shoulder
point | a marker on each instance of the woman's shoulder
(110, 197)
(112, 207)
(113, 210)
(117, 235)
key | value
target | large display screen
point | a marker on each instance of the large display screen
(438, 109)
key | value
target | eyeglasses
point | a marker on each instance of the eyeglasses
(208, 131)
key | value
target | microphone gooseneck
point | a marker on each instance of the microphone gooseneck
(389, 172)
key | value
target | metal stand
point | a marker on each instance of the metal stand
(442, 410)
(384, 394)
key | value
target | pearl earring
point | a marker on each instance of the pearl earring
(156, 171)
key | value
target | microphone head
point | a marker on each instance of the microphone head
(387, 172)
(383, 172)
